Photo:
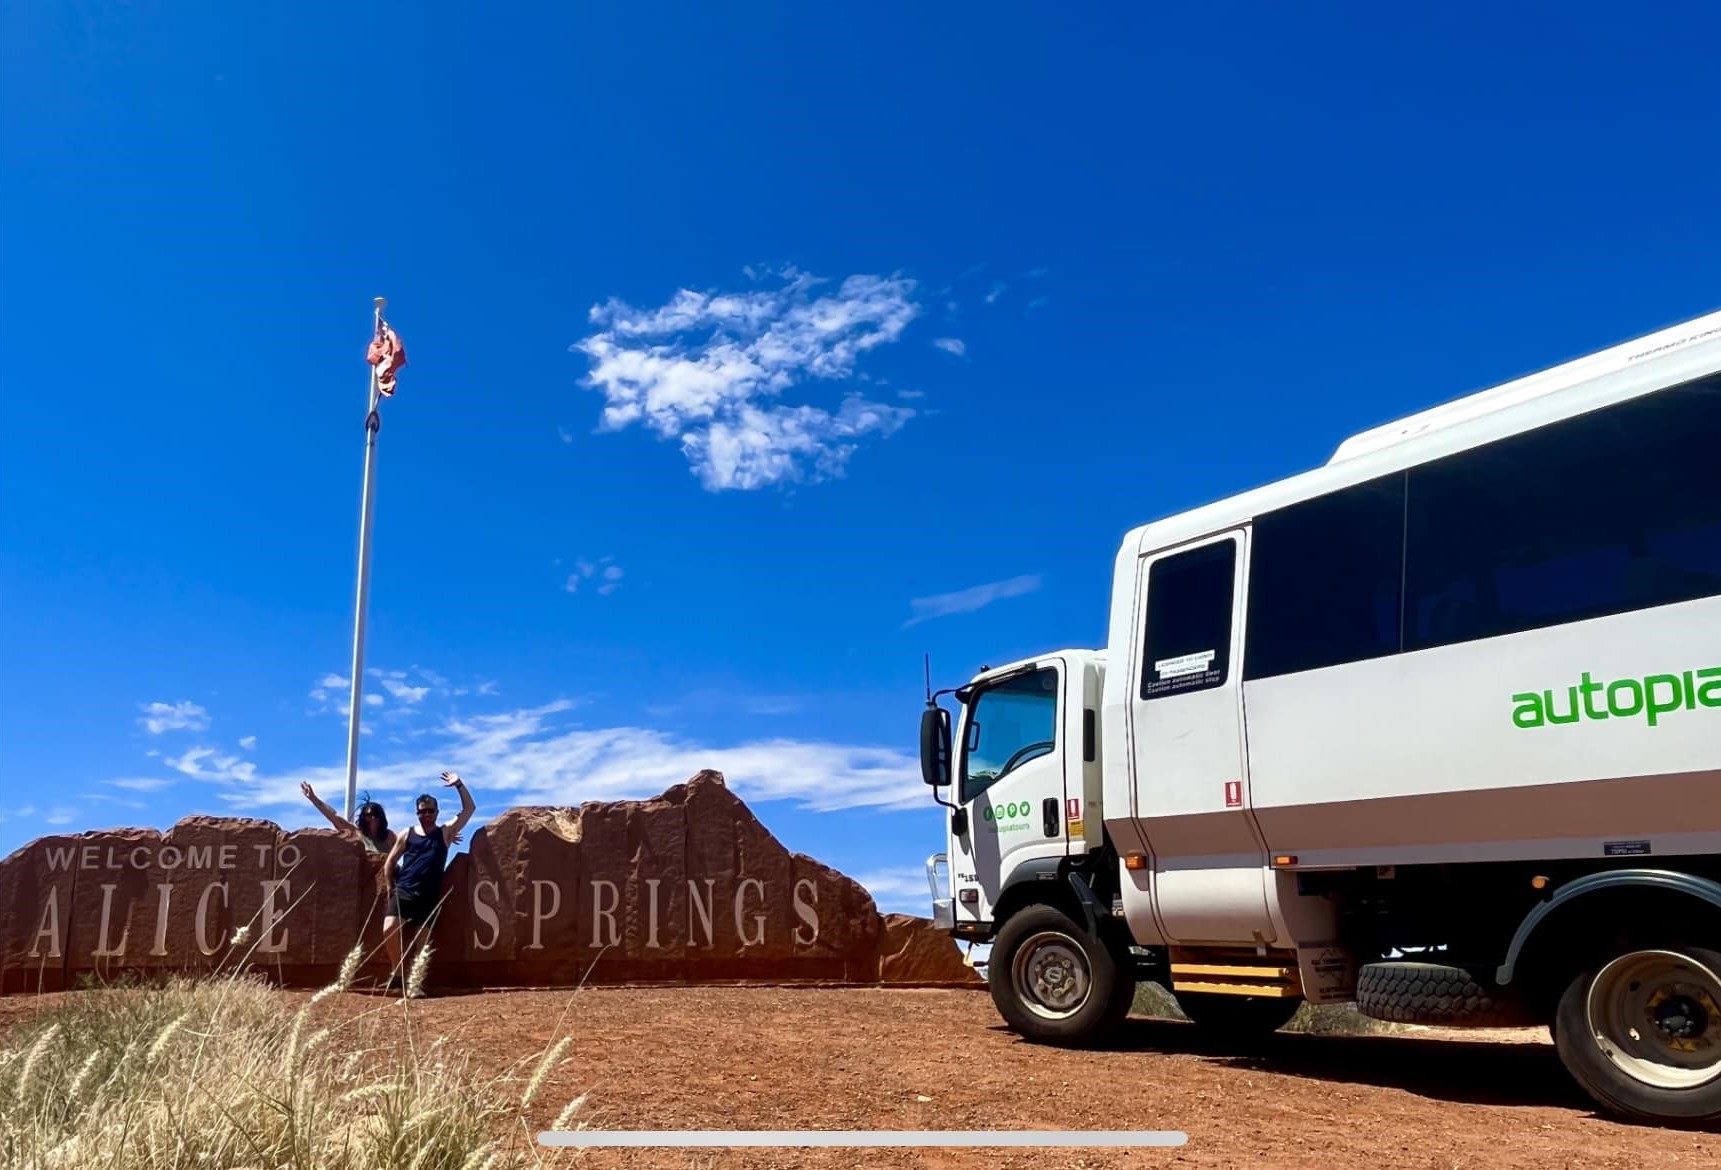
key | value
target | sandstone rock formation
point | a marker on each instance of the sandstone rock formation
(685, 887)
(688, 886)
(913, 951)
(143, 901)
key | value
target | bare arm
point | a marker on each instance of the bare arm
(467, 807)
(334, 818)
(394, 852)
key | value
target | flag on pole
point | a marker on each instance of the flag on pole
(388, 354)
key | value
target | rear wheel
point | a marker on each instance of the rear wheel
(1055, 983)
(1641, 1033)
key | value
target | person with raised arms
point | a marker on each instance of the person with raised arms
(413, 871)
(372, 829)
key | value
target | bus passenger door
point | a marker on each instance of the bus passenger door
(1209, 862)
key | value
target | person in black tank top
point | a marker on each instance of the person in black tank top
(414, 872)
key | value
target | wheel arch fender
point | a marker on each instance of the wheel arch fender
(1037, 880)
(1656, 881)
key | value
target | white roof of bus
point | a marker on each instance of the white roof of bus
(1688, 350)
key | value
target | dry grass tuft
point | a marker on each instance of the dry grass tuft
(212, 1072)
(1338, 1019)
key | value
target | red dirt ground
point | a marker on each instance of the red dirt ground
(778, 1058)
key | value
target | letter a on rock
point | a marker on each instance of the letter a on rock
(49, 926)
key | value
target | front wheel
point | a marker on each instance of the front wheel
(1641, 1033)
(1055, 983)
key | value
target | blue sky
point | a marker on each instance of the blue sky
(754, 351)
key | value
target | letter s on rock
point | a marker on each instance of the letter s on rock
(805, 912)
(486, 914)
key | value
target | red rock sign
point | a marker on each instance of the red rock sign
(687, 887)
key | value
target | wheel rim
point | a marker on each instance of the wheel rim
(1656, 1015)
(1050, 975)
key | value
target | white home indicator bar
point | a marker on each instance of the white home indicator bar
(862, 1137)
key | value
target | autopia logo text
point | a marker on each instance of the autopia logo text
(1649, 698)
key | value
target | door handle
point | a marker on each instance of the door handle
(1049, 810)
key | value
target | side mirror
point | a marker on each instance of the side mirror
(935, 746)
(959, 823)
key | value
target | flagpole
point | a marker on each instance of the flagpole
(373, 421)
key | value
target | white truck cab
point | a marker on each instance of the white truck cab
(1027, 777)
(1434, 729)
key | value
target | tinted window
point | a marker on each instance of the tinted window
(1325, 580)
(1602, 514)
(1189, 599)
(1012, 723)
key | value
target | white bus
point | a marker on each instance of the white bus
(1434, 729)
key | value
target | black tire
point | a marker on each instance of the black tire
(1237, 1017)
(1034, 957)
(1435, 994)
(1626, 1051)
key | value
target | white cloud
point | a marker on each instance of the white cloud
(149, 784)
(109, 798)
(969, 600)
(332, 682)
(220, 767)
(609, 580)
(333, 694)
(181, 716)
(725, 702)
(248, 743)
(527, 756)
(566, 437)
(710, 369)
(996, 291)
(901, 890)
(61, 815)
(403, 692)
(28, 810)
(951, 345)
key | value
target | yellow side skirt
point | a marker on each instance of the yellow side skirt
(1234, 971)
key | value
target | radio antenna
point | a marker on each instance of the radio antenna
(928, 679)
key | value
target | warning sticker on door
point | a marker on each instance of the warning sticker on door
(1185, 672)
(1233, 793)
(1185, 664)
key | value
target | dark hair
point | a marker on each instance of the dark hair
(425, 798)
(371, 808)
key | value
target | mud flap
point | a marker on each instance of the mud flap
(1328, 973)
